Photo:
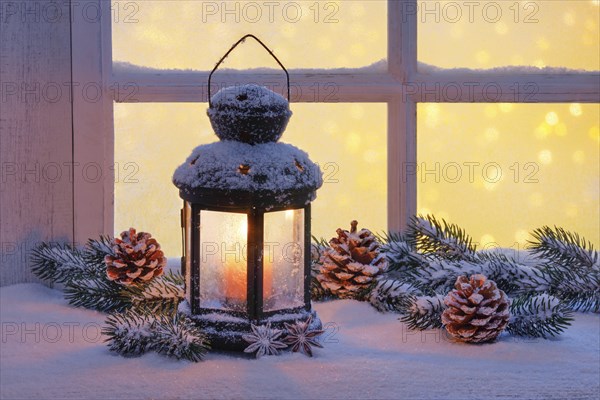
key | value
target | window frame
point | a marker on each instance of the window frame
(401, 87)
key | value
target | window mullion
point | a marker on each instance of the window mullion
(402, 118)
(469, 87)
(92, 123)
(320, 86)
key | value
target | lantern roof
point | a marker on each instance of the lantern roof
(248, 167)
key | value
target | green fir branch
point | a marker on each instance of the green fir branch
(135, 332)
(572, 263)
(563, 247)
(97, 293)
(423, 312)
(538, 316)
(57, 263)
(180, 338)
(96, 250)
(512, 277)
(392, 295)
(401, 255)
(130, 333)
(161, 295)
(441, 240)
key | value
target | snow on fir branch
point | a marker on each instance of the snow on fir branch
(423, 312)
(162, 294)
(563, 247)
(540, 315)
(129, 332)
(177, 336)
(58, 263)
(573, 264)
(439, 239)
(134, 332)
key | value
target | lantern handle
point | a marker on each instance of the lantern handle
(287, 75)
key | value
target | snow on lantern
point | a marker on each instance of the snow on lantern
(246, 218)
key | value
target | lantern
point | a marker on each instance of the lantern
(246, 218)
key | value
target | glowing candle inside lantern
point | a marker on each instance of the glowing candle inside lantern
(235, 263)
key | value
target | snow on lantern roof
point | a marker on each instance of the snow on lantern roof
(231, 165)
(248, 163)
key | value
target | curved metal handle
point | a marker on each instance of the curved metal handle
(233, 47)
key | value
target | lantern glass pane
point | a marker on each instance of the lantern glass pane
(187, 214)
(283, 260)
(223, 276)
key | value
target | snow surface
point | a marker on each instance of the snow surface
(367, 355)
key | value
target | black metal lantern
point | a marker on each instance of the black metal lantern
(246, 218)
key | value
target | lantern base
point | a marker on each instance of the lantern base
(225, 330)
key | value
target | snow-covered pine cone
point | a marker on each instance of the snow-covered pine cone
(351, 263)
(136, 258)
(477, 311)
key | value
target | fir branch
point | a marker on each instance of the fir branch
(391, 295)
(513, 277)
(538, 315)
(161, 295)
(97, 293)
(129, 333)
(439, 239)
(96, 250)
(439, 276)
(579, 291)
(58, 263)
(401, 255)
(572, 263)
(135, 331)
(180, 338)
(423, 312)
(563, 247)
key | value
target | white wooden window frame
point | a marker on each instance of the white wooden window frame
(402, 86)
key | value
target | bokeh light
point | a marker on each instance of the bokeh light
(191, 34)
(490, 34)
(547, 177)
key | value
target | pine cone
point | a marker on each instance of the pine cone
(136, 258)
(477, 310)
(351, 263)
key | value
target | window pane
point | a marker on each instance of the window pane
(283, 260)
(195, 34)
(502, 170)
(347, 140)
(487, 34)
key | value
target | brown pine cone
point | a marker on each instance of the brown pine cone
(477, 310)
(351, 263)
(137, 258)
